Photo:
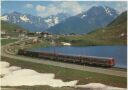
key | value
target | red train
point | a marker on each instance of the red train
(85, 60)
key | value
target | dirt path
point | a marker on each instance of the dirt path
(107, 71)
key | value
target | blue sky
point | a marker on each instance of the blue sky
(46, 8)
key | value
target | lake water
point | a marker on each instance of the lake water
(119, 53)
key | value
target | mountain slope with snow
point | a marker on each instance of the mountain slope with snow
(33, 23)
(85, 22)
(56, 19)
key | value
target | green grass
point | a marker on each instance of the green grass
(43, 43)
(7, 41)
(40, 88)
(11, 28)
(66, 74)
(106, 36)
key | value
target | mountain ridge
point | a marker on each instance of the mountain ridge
(26, 21)
(95, 17)
(30, 22)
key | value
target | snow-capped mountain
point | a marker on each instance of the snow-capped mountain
(100, 14)
(24, 18)
(4, 18)
(55, 19)
(85, 22)
(33, 23)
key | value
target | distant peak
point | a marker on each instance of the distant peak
(103, 6)
(16, 12)
(97, 6)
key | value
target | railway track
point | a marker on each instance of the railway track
(108, 71)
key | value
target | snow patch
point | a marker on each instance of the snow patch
(15, 76)
(107, 10)
(52, 21)
(83, 16)
(4, 64)
(122, 34)
(4, 18)
(5, 69)
(24, 18)
(98, 86)
(66, 44)
(49, 22)
(56, 20)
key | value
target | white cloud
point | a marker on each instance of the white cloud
(121, 7)
(71, 7)
(40, 8)
(75, 7)
(50, 10)
(29, 6)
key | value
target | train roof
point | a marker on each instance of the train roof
(99, 57)
(84, 56)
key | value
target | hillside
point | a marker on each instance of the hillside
(114, 33)
(85, 22)
(11, 28)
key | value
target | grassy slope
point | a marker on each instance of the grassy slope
(7, 41)
(110, 35)
(10, 28)
(43, 43)
(65, 74)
